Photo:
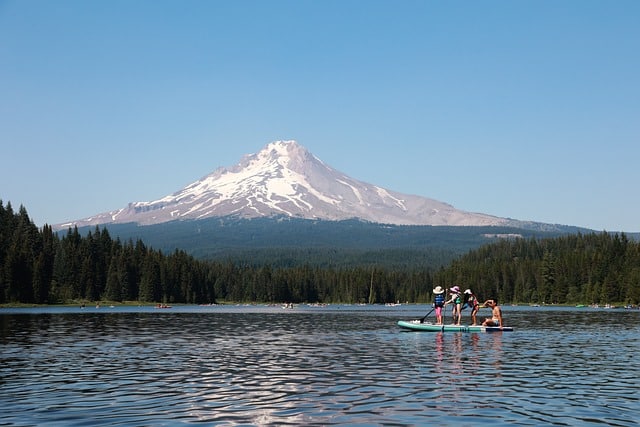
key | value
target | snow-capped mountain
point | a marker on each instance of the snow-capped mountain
(284, 179)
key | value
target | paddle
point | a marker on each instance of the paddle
(425, 316)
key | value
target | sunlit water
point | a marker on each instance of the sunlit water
(336, 365)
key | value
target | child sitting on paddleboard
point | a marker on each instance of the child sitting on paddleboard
(438, 303)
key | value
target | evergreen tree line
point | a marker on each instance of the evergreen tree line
(596, 268)
(39, 266)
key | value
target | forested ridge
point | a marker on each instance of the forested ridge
(285, 241)
(595, 268)
(38, 266)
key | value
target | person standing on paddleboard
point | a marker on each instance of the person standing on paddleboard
(470, 300)
(456, 300)
(438, 303)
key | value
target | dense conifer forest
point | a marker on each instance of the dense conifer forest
(284, 241)
(596, 268)
(38, 266)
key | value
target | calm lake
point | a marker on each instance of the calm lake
(335, 365)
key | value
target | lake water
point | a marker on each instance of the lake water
(334, 365)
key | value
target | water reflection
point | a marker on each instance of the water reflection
(315, 368)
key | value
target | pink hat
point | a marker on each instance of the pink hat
(455, 289)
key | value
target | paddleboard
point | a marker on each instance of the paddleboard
(415, 325)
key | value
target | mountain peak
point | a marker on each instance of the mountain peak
(286, 154)
(284, 147)
(285, 179)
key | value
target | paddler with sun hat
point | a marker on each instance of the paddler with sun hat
(456, 299)
(438, 303)
(471, 300)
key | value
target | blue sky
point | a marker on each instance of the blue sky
(521, 109)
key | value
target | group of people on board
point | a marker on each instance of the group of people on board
(461, 300)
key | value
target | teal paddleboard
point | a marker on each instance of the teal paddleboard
(415, 325)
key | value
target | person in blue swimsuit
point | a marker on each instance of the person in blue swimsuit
(438, 303)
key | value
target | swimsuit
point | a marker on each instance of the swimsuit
(439, 300)
(438, 303)
(471, 302)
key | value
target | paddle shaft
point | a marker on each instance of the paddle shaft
(426, 315)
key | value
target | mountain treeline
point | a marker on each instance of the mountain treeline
(38, 266)
(595, 268)
(283, 241)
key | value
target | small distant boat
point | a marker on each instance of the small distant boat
(415, 325)
(162, 306)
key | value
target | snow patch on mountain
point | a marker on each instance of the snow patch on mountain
(286, 179)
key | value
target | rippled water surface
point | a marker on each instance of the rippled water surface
(335, 365)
